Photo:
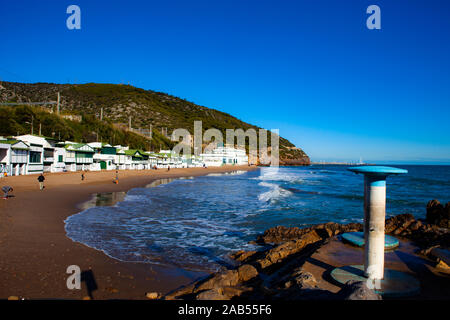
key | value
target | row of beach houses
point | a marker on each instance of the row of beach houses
(32, 154)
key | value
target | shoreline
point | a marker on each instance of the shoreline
(36, 251)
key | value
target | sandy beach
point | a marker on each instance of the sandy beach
(35, 251)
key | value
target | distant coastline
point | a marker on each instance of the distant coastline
(341, 163)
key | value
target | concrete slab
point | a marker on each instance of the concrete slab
(435, 282)
(395, 284)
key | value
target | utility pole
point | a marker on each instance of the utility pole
(151, 132)
(101, 114)
(40, 127)
(32, 118)
(57, 105)
(129, 123)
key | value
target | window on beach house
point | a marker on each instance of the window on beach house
(35, 157)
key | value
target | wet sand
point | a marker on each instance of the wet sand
(35, 251)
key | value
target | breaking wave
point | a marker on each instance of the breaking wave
(276, 192)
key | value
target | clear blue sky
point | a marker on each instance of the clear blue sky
(310, 68)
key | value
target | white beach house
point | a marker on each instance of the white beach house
(79, 156)
(224, 156)
(13, 157)
(52, 155)
(104, 157)
(139, 159)
(123, 160)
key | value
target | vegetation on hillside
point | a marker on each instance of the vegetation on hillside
(19, 120)
(119, 103)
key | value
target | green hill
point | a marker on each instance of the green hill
(118, 103)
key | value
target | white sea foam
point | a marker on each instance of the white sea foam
(276, 192)
(231, 173)
(274, 174)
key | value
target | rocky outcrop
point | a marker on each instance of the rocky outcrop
(438, 214)
(281, 234)
(301, 161)
(270, 273)
(423, 234)
(275, 271)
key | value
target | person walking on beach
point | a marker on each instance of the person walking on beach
(116, 181)
(168, 168)
(82, 176)
(41, 179)
(6, 190)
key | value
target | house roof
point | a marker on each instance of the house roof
(135, 153)
(41, 136)
(9, 141)
(131, 152)
(78, 146)
(14, 142)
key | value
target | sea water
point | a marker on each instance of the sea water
(195, 223)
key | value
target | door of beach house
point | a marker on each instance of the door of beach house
(103, 165)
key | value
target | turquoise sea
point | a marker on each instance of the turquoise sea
(195, 222)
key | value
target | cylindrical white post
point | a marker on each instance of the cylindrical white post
(374, 216)
(385, 282)
(374, 220)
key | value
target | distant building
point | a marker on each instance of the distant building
(29, 154)
(139, 159)
(224, 156)
(79, 156)
(105, 156)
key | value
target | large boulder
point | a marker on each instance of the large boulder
(301, 279)
(247, 272)
(219, 280)
(438, 214)
(398, 224)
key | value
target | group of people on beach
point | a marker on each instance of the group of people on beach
(7, 189)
